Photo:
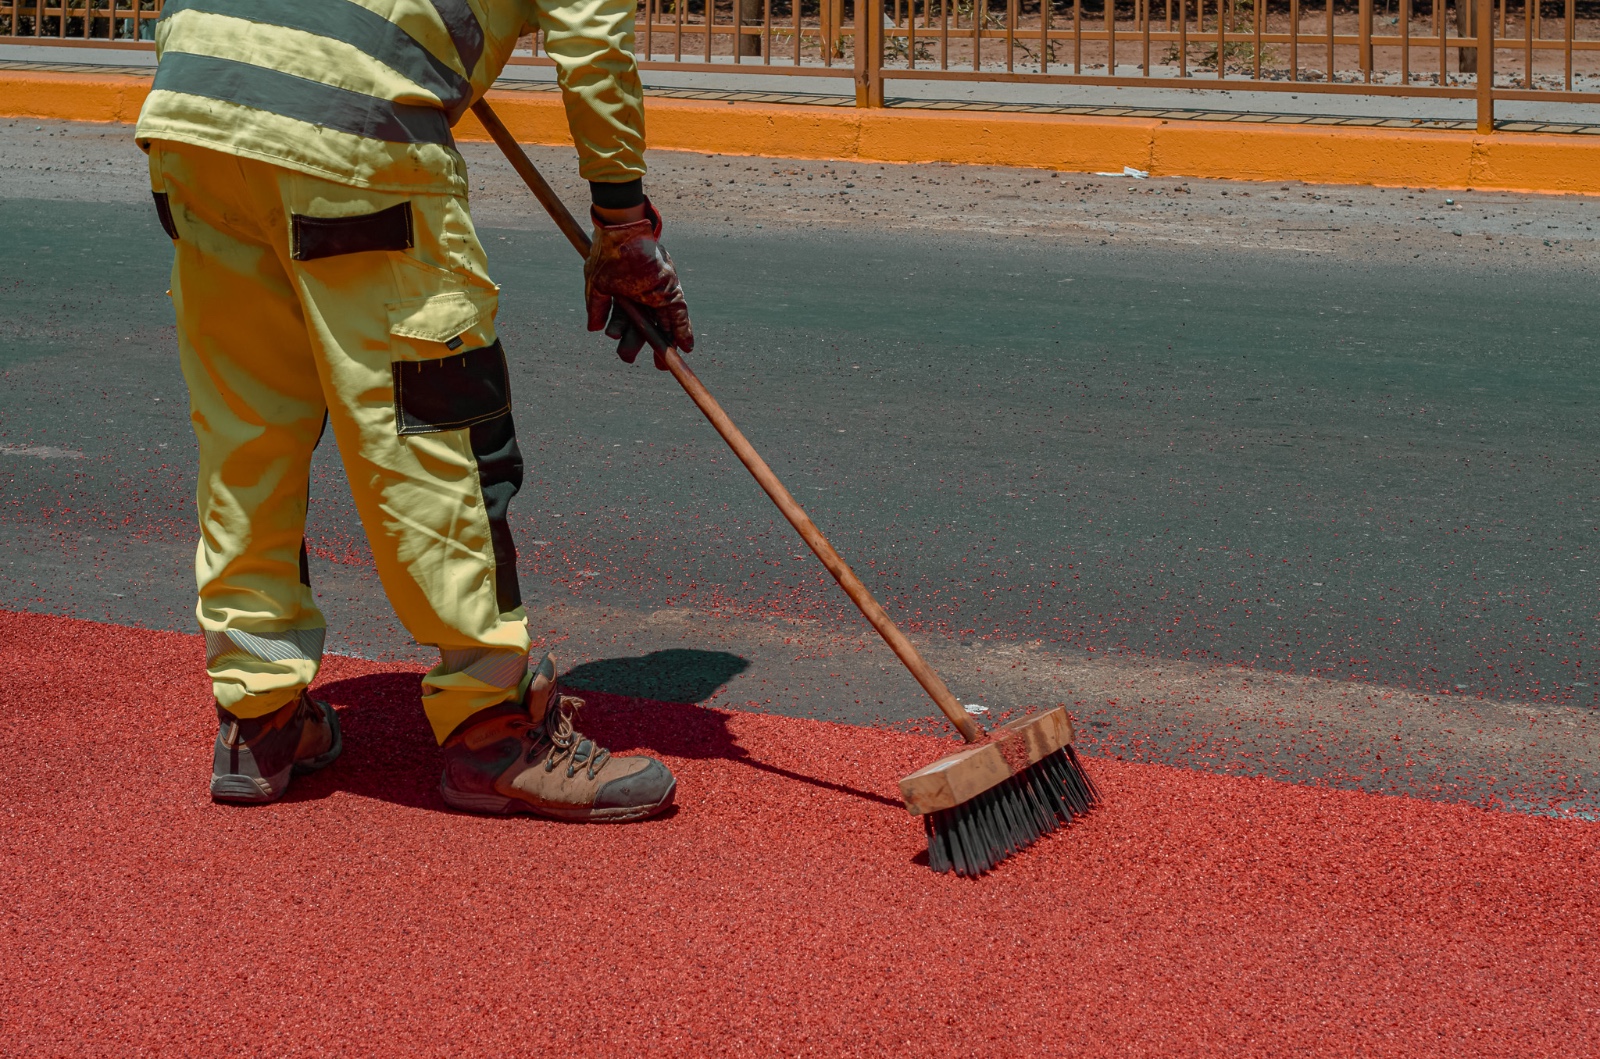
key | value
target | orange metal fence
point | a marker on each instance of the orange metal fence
(100, 21)
(1526, 49)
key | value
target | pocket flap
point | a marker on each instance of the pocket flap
(438, 317)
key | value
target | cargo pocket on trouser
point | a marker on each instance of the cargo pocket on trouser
(471, 391)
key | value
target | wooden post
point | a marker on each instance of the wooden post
(1485, 64)
(869, 53)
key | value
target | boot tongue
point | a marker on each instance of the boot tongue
(542, 696)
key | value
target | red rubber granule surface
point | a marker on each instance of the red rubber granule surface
(782, 910)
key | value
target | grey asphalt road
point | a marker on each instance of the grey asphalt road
(1243, 500)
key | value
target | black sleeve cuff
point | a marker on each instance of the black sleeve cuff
(617, 196)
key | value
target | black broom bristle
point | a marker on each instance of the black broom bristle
(971, 838)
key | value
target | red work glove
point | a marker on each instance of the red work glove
(628, 261)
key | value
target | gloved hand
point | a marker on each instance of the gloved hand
(628, 261)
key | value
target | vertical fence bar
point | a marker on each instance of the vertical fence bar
(1011, 33)
(1405, 42)
(1077, 35)
(1145, 26)
(1527, 35)
(1259, 9)
(1485, 65)
(1571, 32)
(1364, 9)
(911, 33)
(1044, 36)
(1111, 38)
(677, 37)
(1330, 42)
(649, 24)
(711, 18)
(1183, 38)
(944, 34)
(1439, 24)
(980, 15)
(1222, 38)
(1294, 39)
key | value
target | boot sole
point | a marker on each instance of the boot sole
(499, 805)
(249, 790)
(237, 789)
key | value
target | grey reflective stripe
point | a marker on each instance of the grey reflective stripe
(464, 31)
(351, 24)
(494, 666)
(293, 645)
(296, 97)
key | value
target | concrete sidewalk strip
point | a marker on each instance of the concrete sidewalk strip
(1164, 147)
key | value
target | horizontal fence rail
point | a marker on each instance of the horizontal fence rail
(1527, 49)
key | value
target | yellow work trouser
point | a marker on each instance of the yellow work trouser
(303, 303)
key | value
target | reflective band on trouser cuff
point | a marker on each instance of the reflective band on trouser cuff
(302, 644)
(494, 666)
(295, 97)
(466, 32)
(351, 24)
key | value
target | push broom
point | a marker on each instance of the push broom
(1008, 787)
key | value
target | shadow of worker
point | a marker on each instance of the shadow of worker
(652, 702)
(678, 675)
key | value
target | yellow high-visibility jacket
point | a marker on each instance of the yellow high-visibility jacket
(365, 92)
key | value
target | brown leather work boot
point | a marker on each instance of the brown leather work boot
(255, 757)
(528, 758)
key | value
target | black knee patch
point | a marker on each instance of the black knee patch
(471, 391)
(164, 213)
(315, 237)
(452, 392)
(494, 446)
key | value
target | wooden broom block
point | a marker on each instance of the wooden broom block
(967, 773)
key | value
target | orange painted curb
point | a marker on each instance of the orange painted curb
(72, 97)
(974, 137)
(1316, 155)
(1200, 149)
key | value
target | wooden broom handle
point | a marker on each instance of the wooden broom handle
(667, 357)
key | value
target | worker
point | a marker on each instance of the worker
(327, 273)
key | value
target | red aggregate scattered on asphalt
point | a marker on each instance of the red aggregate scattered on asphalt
(783, 909)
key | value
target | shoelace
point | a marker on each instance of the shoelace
(566, 740)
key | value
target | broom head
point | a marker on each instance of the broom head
(990, 800)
